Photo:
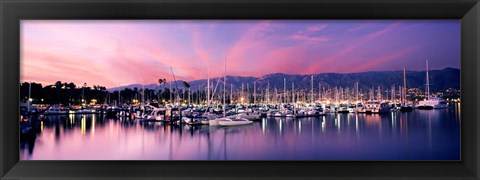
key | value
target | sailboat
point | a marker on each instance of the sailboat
(431, 102)
(406, 106)
(226, 121)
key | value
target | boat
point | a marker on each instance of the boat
(55, 110)
(234, 122)
(195, 121)
(376, 107)
(27, 109)
(215, 122)
(157, 114)
(405, 106)
(85, 111)
(359, 108)
(343, 108)
(431, 102)
(247, 115)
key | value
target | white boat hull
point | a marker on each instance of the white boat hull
(234, 123)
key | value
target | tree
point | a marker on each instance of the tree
(58, 85)
(71, 85)
(162, 81)
(186, 84)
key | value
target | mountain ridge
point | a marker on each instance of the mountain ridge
(439, 79)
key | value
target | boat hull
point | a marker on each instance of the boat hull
(234, 123)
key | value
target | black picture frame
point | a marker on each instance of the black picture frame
(12, 11)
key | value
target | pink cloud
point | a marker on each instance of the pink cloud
(384, 59)
(316, 28)
(309, 38)
(350, 47)
(254, 40)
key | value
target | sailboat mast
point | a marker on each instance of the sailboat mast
(284, 90)
(356, 94)
(208, 87)
(293, 93)
(176, 86)
(311, 91)
(29, 96)
(428, 82)
(224, 84)
(254, 93)
(143, 96)
(404, 85)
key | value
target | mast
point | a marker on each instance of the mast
(208, 87)
(319, 93)
(143, 96)
(293, 93)
(254, 93)
(356, 93)
(311, 91)
(176, 86)
(224, 84)
(379, 94)
(29, 95)
(170, 84)
(119, 98)
(248, 94)
(284, 90)
(241, 93)
(428, 82)
(404, 85)
(268, 93)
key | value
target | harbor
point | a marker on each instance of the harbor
(339, 123)
(240, 90)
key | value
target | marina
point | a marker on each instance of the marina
(248, 124)
(240, 90)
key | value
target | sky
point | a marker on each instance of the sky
(114, 53)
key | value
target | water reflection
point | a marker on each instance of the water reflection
(436, 135)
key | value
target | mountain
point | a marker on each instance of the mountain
(439, 80)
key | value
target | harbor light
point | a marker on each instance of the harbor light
(30, 99)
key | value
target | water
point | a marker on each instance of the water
(417, 135)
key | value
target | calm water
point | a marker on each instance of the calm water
(417, 135)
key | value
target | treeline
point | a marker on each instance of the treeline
(61, 93)
(72, 94)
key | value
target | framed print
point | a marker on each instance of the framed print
(246, 89)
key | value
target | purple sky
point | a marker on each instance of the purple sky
(113, 53)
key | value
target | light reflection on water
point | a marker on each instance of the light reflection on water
(418, 135)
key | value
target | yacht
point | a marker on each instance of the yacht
(234, 122)
(431, 102)
(406, 107)
(376, 107)
(56, 110)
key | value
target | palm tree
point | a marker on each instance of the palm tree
(185, 83)
(160, 82)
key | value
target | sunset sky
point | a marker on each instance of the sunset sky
(114, 53)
